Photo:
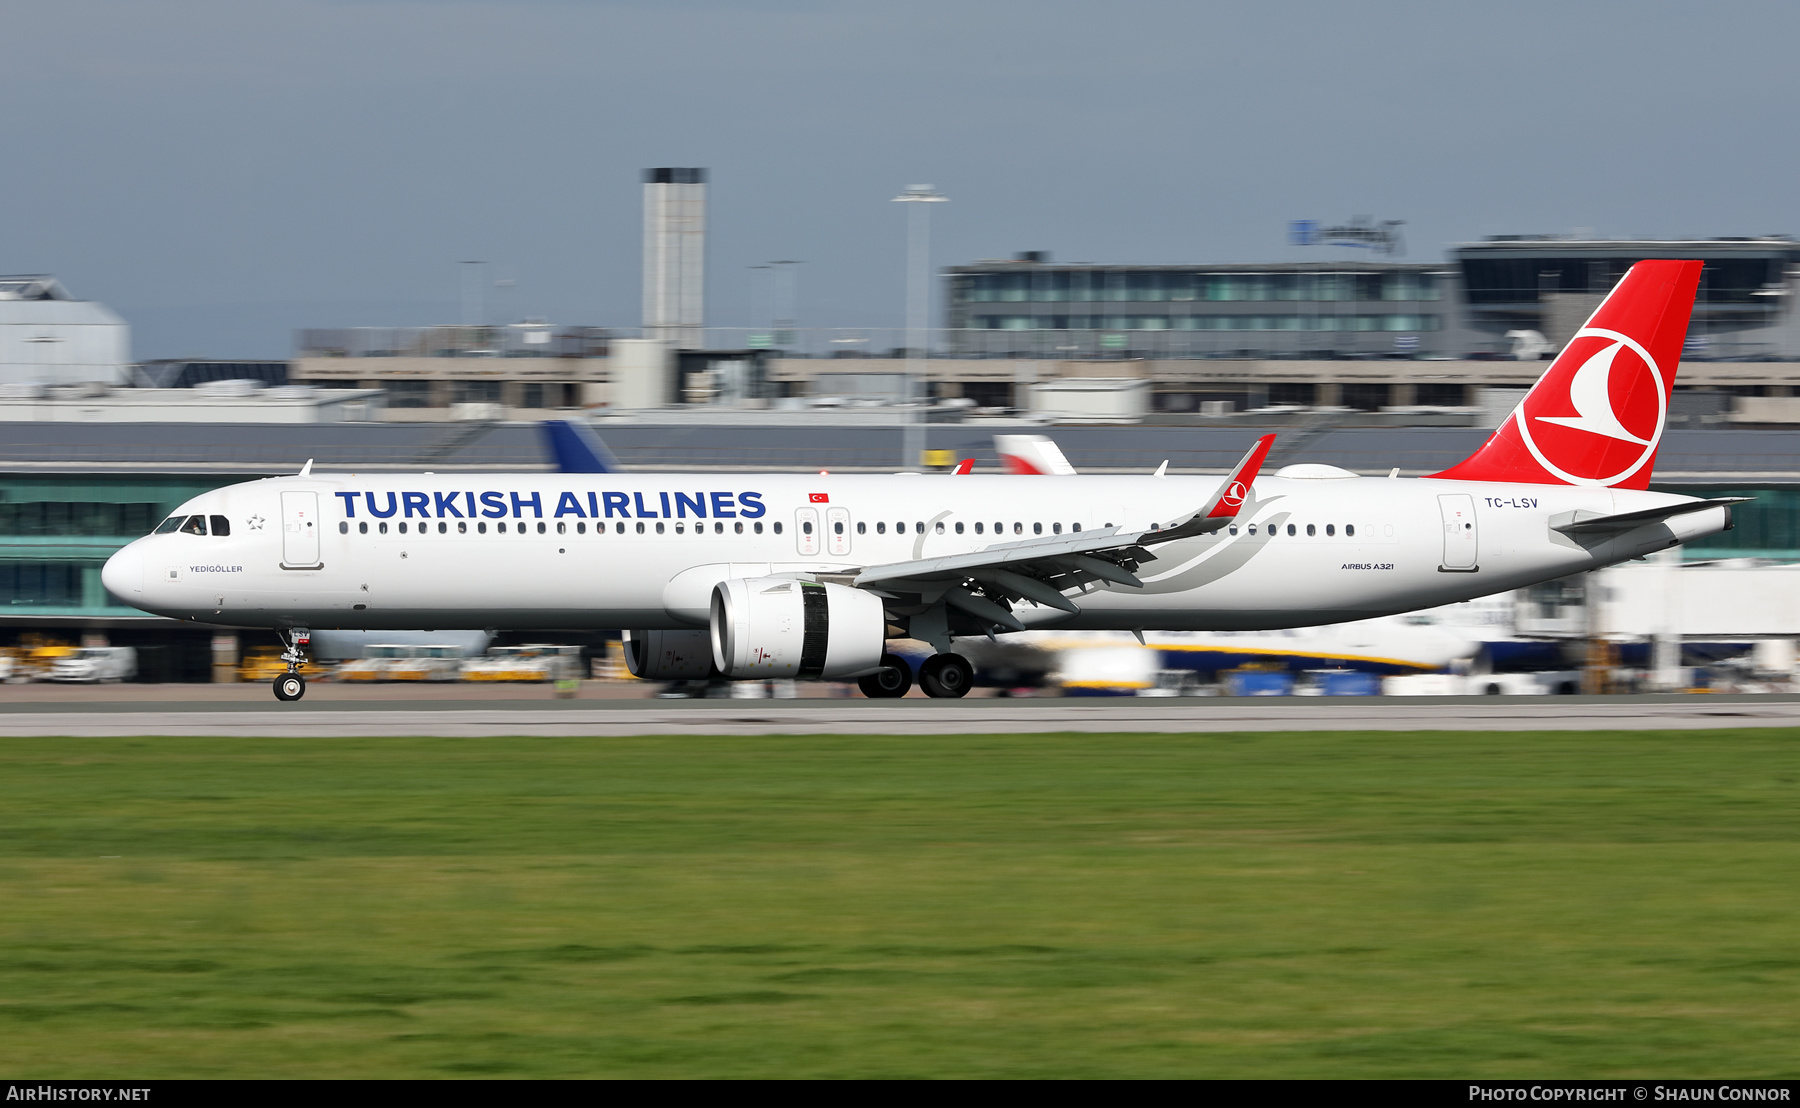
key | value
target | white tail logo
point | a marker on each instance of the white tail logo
(1590, 391)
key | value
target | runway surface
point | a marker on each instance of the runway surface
(575, 718)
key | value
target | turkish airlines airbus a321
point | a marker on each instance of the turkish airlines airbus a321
(755, 576)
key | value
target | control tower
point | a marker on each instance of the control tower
(675, 256)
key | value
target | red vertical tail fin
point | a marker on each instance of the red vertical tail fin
(1597, 414)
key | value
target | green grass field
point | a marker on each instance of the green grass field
(1570, 904)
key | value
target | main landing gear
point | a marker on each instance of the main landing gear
(942, 675)
(946, 675)
(890, 682)
(290, 685)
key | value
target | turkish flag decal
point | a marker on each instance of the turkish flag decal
(821, 498)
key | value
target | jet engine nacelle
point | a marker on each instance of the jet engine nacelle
(772, 627)
(669, 655)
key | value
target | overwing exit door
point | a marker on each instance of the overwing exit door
(1461, 538)
(299, 530)
(837, 531)
(806, 530)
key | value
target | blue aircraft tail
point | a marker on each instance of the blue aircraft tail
(577, 449)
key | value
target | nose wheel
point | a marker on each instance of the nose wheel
(290, 685)
(946, 675)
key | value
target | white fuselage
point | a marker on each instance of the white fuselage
(645, 550)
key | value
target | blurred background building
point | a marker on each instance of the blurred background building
(48, 337)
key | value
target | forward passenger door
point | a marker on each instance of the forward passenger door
(299, 530)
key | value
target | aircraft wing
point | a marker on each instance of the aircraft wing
(1044, 569)
(1587, 523)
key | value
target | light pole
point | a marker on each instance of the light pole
(918, 316)
(473, 309)
(787, 297)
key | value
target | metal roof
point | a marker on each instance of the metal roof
(1687, 456)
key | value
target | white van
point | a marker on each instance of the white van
(96, 663)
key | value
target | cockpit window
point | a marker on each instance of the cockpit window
(221, 527)
(169, 525)
(194, 525)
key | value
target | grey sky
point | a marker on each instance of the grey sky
(223, 171)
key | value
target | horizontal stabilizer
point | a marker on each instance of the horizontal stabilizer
(1585, 523)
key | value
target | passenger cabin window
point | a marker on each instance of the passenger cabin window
(221, 527)
(940, 527)
(776, 527)
(1018, 528)
(362, 528)
(343, 527)
(481, 528)
(1056, 528)
(1330, 529)
(195, 525)
(1037, 528)
(1310, 531)
(862, 528)
(978, 528)
(382, 527)
(1349, 530)
(881, 527)
(402, 527)
(959, 528)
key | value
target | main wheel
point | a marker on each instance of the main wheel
(290, 686)
(946, 675)
(890, 682)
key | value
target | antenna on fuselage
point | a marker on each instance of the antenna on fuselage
(306, 470)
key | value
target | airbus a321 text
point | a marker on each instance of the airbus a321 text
(755, 576)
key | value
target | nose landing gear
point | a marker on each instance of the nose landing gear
(290, 685)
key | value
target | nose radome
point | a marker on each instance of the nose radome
(123, 574)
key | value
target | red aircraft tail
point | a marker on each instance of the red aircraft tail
(1596, 415)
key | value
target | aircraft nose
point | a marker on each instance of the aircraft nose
(123, 574)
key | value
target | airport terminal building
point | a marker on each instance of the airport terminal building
(1029, 306)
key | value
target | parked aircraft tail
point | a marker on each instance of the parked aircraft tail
(1597, 414)
(1032, 454)
(577, 448)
